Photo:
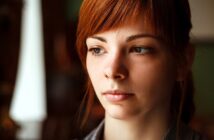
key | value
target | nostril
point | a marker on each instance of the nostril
(119, 76)
(106, 76)
(115, 76)
(116, 70)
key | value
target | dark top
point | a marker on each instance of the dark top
(185, 133)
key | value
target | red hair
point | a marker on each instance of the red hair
(170, 20)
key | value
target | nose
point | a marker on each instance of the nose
(116, 68)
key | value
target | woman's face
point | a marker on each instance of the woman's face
(131, 70)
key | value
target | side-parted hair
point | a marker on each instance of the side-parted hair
(171, 20)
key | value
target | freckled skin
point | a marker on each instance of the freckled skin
(142, 66)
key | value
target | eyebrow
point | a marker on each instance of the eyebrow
(130, 38)
(99, 38)
(133, 37)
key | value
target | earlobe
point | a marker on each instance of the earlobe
(185, 67)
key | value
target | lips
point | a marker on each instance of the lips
(117, 96)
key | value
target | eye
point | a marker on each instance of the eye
(96, 51)
(140, 49)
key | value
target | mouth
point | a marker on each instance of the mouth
(117, 96)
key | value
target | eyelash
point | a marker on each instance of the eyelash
(96, 51)
(140, 49)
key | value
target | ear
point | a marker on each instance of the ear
(186, 66)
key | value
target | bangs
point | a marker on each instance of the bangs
(112, 14)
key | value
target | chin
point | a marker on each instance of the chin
(118, 112)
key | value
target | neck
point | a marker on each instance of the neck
(150, 126)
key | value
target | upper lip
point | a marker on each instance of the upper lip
(116, 92)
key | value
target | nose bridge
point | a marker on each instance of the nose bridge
(117, 60)
(116, 66)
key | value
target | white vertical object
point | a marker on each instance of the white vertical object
(28, 106)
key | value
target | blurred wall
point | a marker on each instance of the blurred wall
(203, 19)
(202, 35)
(203, 70)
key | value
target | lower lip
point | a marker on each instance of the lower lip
(117, 97)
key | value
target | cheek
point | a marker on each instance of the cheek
(94, 73)
(155, 80)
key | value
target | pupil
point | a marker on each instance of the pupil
(97, 50)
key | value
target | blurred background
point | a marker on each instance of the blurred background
(63, 74)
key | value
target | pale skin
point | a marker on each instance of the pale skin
(133, 74)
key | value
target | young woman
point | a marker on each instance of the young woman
(138, 59)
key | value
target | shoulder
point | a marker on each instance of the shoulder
(97, 133)
(184, 133)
